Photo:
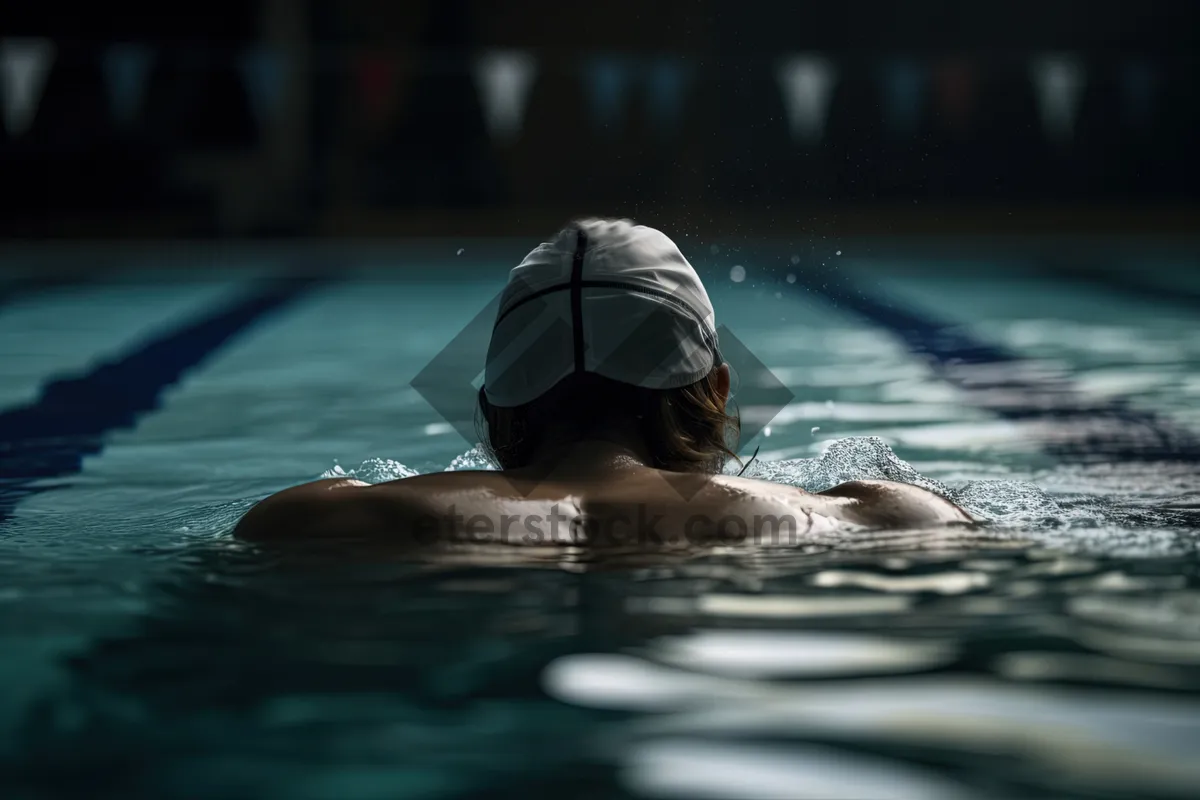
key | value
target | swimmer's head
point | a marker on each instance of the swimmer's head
(607, 327)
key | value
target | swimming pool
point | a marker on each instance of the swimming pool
(147, 654)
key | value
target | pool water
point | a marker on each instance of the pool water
(147, 654)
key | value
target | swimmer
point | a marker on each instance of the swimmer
(604, 405)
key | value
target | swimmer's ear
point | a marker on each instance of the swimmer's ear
(723, 383)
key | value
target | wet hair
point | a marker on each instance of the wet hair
(685, 429)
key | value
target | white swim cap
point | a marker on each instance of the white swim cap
(607, 297)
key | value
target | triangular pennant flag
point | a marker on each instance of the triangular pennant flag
(504, 79)
(1139, 84)
(666, 85)
(376, 77)
(126, 70)
(262, 70)
(904, 96)
(956, 92)
(607, 78)
(24, 66)
(807, 84)
(1059, 81)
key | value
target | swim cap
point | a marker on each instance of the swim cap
(607, 297)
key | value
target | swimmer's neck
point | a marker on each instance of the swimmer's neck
(607, 453)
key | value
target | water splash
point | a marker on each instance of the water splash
(373, 470)
(474, 458)
(999, 503)
(1008, 503)
(854, 459)
(381, 470)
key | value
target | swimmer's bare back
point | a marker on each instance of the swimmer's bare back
(635, 506)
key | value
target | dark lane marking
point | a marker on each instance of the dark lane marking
(73, 416)
(1071, 426)
(1114, 279)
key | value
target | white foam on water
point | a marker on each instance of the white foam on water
(475, 458)
(854, 459)
(373, 470)
(999, 503)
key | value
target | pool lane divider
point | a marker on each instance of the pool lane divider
(73, 416)
(1072, 426)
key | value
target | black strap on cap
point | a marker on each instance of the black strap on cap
(593, 283)
(577, 297)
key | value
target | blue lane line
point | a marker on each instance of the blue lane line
(993, 379)
(1114, 279)
(72, 417)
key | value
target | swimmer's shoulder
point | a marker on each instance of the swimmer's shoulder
(890, 504)
(341, 507)
(349, 508)
(346, 508)
(872, 503)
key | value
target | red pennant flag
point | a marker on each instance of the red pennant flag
(376, 78)
(955, 81)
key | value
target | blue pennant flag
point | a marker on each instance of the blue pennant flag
(666, 84)
(1139, 84)
(127, 72)
(904, 96)
(262, 70)
(608, 79)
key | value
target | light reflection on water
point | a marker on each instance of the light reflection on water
(994, 672)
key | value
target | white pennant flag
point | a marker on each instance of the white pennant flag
(807, 84)
(1059, 81)
(504, 79)
(24, 64)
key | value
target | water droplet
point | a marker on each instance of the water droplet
(815, 429)
(795, 259)
(737, 274)
(460, 252)
(778, 295)
(839, 252)
(767, 431)
(791, 278)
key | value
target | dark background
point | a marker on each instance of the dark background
(414, 156)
